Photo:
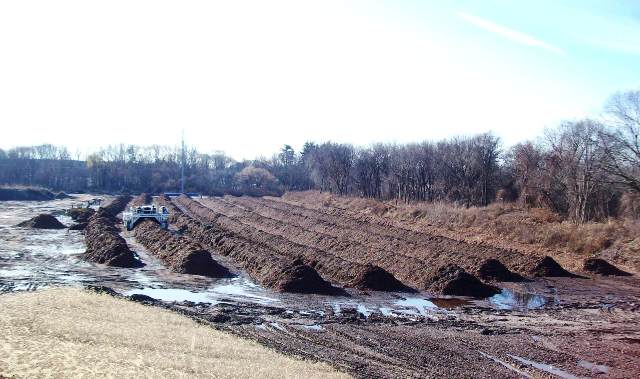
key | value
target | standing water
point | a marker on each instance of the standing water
(37, 258)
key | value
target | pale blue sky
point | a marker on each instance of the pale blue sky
(248, 76)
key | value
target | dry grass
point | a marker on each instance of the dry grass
(536, 231)
(73, 333)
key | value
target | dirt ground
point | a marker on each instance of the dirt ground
(580, 326)
(587, 328)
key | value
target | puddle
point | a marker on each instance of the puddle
(275, 325)
(420, 304)
(237, 290)
(361, 308)
(364, 310)
(173, 294)
(241, 290)
(32, 259)
(593, 367)
(505, 364)
(544, 367)
(391, 306)
(449, 303)
(512, 300)
(314, 328)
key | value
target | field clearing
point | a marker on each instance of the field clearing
(83, 334)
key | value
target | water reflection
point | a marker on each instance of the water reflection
(420, 304)
(509, 299)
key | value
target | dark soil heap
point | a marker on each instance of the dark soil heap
(302, 278)
(104, 244)
(548, 267)
(178, 253)
(117, 205)
(81, 214)
(454, 280)
(602, 267)
(375, 278)
(494, 270)
(335, 259)
(261, 262)
(42, 221)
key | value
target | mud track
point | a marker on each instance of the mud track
(179, 254)
(104, 243)
(267, 266)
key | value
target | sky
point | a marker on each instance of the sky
(246, 77)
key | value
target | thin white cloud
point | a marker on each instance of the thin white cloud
(511, 34)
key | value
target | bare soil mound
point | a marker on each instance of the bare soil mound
(494, 270)
(302, 278)
(105, 245)
(375, 278)
(81, 214)
(602, 267)
(264, 264)
(42, 221)
(409, 252)
(337, 259)
(178, 253)
(455, 281)
(117, 205)
(548, 267)
(25, 194)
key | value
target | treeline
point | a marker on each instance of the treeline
(584, 170)
(135, 169)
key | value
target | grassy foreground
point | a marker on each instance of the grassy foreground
(74, 333)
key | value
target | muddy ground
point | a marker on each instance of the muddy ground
(543, 327)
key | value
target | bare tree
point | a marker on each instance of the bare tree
(621, 140)
(574, 166)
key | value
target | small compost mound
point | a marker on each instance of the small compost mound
(493, 269)
(302, 278)
(104, 243)
(375, 278)
(42, 221)
(455, 281)
(548, 267)
(602, 267)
